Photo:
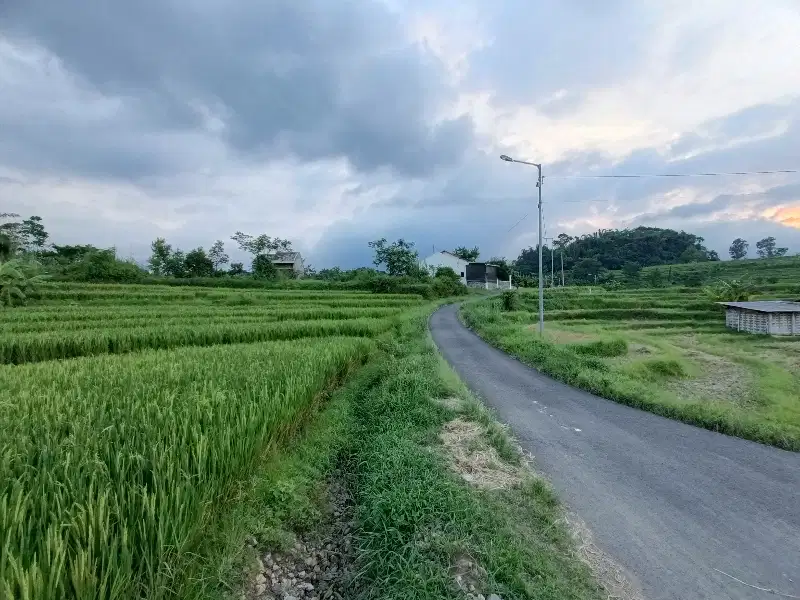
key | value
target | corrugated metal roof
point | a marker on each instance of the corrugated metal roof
(767, 306)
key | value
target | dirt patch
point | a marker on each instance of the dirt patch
(317, 566)
(609, 574)
(719, 379)
(470, 456)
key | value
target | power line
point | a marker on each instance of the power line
(647, 175)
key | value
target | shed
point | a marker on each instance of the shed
(771, 317)
(290, 263)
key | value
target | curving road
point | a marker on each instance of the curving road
(668, 501)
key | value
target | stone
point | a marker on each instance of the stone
(260, 589)
(290, 597)
(260, 579)
(494, 597)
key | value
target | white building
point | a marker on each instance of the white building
(447, 259)
(771, 317)
(290, 263)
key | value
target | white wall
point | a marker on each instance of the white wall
(443, 259)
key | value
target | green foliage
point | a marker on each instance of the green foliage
(509, 300)
(217, 256)
(159, 259)
(261, 244)
(738, 249)
(766, 248)
(588, 257)
(612, 347)
(198, 264)
(103, 265)
(18, 280)
(467, 254)
(665, 367)
(732, 290)
(236, 269)
(399, 257)
(264, 268)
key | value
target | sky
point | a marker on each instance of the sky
(336, 123)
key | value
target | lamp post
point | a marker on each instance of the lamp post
(541, 279)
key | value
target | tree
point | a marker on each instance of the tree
(236, 269)
(217, 256)
(766, 248)
(175, 266)
(264, 268)
(260, 244)
(161, 253)
(10, 240)
(467, 254)
(562, 241)
(632, 272)
(33, 234)
(198, 264)
(400, 257)
(587, 270)
(738, 248)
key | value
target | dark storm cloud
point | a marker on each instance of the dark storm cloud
(314, 79)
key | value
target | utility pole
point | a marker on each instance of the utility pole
(539, 182)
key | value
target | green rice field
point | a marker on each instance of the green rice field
(127, 412)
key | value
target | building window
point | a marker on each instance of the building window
(462, 273)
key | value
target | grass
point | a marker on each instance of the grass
(139, 472)
(638, 348)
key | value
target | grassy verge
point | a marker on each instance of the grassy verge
(416, 519)
(684, 375)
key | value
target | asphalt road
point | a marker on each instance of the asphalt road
(670, 502)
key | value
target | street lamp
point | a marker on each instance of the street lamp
(541, 279)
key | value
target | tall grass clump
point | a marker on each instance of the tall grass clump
(110, 466)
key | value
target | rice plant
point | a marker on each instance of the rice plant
(109, 465)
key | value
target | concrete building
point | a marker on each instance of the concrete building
(289, 263)
(770, 317)
(447, 259)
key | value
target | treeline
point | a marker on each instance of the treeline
(27, 257)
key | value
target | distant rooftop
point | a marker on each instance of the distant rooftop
(766, 306)
(284, 256)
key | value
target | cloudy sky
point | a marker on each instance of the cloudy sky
(336, 122)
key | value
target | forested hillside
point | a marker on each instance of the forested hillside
(590, 256)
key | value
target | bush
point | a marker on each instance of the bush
(510, 300)
(104, 266)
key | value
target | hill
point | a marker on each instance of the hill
(588, 258)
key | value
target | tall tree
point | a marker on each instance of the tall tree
(766, 248)
(9, 236)
(198, 264)
(738, 249)
(175, 266)
(562, 241)
(159, 259)
(399, 257)
(261, 246)
(34, 236)
(217, 255)
(467, 254)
